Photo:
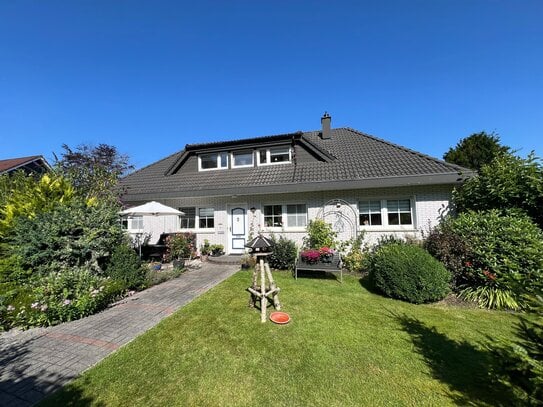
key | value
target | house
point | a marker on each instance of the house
(231, 190)
(34, 164)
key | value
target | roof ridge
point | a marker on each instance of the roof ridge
(408, 150)
(257, 138)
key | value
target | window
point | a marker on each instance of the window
(213, 161)
(385, 212)
(275, 155)
(296, 216)
(136, 222)
(370, 213)
(188, 220)
(273, 216)
(399, 212)
(206, 218)
(242, 159)
(279, 155)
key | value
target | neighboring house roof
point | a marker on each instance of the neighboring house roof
(34, 164)
(349, 159)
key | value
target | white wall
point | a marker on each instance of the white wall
(429, 203)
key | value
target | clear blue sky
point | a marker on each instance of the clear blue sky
(152, 76)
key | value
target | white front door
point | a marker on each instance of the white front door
(237, 235)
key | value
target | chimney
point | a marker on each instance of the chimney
(325, 122)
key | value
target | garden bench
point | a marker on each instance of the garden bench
(332, 266)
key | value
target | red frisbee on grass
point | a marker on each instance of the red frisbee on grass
(280, 317)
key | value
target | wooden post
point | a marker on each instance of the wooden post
(273, 288)
(263, 298)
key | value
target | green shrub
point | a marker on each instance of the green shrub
(408, 273)
(284, 253)
(60, 297)
(501, 246)
(70, 235)
(520, 362)
(354, 258)
(320, 234)
(125, 266)
(507, 182)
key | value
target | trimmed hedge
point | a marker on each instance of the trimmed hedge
(409, 273)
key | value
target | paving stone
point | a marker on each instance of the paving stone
(37, 362)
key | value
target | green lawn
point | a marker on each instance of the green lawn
(344, 346)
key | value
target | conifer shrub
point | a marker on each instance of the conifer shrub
(284, 253)
(125, 266)
(408, 272)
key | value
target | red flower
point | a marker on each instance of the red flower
(489, 275)
(468, 264)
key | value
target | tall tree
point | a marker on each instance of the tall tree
(94, 170)
(475, 151)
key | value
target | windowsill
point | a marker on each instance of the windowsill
(389, 228)
(278, 163)
(284, 229)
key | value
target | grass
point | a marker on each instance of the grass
(345, 346)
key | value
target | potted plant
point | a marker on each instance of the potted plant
(205, 250)
(217, 249)
(247, 261)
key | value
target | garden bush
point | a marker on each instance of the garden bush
(501, 247)
(125, 266)
(60, 297)
(408, 273)
(284, 253)
(320, 234)
(451, 250)
(180, 246)
(353, 259)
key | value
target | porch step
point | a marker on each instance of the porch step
(229, 259)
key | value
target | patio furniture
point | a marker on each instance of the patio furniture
(334, 265)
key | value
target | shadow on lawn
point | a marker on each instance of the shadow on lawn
(458, 364)
(23, 382)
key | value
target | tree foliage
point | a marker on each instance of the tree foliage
(507, 182)
(475, 151)
(94, 170)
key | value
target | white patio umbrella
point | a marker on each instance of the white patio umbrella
(151, 209)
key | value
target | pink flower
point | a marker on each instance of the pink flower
(468, 264)
(66, 302)
(35, 305)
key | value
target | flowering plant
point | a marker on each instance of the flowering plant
(310, 255)
(326, 252)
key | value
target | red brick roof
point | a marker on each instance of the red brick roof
(12, 163)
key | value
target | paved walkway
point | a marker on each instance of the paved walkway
(35, 363)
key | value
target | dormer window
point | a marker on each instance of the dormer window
(274, 155)
(213, 161)
(242, 159)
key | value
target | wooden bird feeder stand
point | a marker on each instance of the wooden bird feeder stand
(263, 288)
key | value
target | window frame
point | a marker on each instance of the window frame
(219, 155)
(199, 219)
(133, 219)
(284, 217)
(297, 214)
(233, 161)
(184, 217)
(273, 216)
(385, 225)
(268, 155)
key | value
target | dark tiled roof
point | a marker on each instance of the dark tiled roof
(356, 160)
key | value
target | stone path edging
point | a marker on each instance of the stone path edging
(37, 362)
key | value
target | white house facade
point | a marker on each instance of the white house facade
(231, 191)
